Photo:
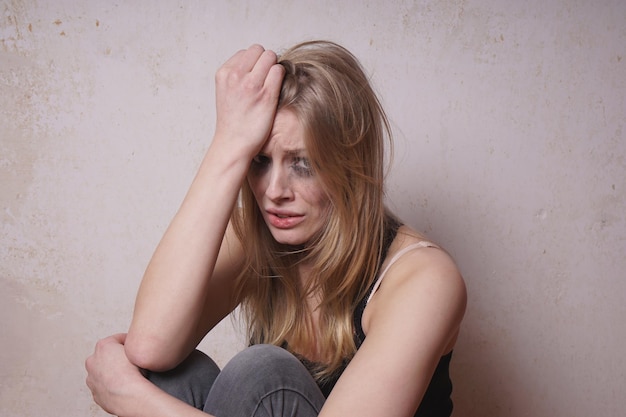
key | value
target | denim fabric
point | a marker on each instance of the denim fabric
(190, 381)
(260, 381)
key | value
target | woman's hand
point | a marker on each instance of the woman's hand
(112, 379)
(247, 90)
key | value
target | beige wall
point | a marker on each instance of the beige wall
(510, 151)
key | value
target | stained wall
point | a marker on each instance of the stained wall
(510, 151)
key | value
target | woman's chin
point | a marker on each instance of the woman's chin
(297, 243)
(297, 240)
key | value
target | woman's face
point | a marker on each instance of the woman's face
(287, 190)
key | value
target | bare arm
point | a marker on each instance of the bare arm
(187, 288)
(413, 321)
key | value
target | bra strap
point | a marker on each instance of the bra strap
(398, 255)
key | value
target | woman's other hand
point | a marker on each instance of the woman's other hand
(112, 379)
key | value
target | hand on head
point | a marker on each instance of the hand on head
(247, 90)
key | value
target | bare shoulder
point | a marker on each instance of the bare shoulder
(423, 283)
(420, 259)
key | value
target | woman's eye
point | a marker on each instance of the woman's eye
(260, 160)
(302, 166)
(259, 163)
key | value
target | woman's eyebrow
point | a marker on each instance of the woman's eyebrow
(296, 152)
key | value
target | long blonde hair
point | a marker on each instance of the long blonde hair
(345, 127)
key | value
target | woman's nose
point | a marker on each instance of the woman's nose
(279, 186)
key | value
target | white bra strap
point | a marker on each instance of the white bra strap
(420, 244)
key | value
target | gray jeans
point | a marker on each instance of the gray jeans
(260, 381)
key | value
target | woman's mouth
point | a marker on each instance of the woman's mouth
(283, 220)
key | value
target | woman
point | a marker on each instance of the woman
(300, 141)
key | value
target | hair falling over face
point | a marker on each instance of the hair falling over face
(345, 130)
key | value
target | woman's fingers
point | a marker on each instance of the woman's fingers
(252, 65)
(274, 80)
(245, 59)
(119, 338)
(264, 63)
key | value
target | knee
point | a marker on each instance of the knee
(262, 353)
(263, 376)
(262, 364)
(261, 358)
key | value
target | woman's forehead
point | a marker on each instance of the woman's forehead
(287, 135)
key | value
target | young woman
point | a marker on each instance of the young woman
(349, 312)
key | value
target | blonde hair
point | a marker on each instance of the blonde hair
(345, 126)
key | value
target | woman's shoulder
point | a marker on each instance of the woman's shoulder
(417, 252)
(420, 273)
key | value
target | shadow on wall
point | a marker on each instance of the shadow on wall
(478, 370)
(488, 368)
(504, 365)
(493, 381)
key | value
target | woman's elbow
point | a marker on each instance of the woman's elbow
(145, 354)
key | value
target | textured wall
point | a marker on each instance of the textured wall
(510, 151)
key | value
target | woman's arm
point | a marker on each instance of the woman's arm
(187, 288)
(412, 322)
